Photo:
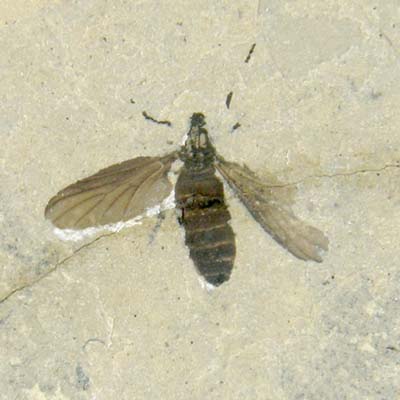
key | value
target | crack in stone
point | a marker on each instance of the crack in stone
(352, 173)
(52, 269)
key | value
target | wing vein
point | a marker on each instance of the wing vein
(138, 187)
(62, 214)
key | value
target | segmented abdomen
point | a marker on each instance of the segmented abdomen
(211, 241)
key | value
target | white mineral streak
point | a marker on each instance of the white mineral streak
(80, 234)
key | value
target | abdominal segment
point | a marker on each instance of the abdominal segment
(204, 215)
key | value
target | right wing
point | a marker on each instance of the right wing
(117, 193)
(273, 213)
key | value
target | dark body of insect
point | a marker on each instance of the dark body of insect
(199, 194)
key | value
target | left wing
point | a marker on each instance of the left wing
(117, 193)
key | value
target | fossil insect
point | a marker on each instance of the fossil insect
(124, 191)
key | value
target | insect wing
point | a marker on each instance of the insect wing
(117, 193)
(273, 212)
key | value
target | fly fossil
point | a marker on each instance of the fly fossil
(126, 190)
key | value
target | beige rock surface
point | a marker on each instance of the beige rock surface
(124, 316)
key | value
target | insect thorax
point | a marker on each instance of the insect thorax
(197, 153)
(197, 184)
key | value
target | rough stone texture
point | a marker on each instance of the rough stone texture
(124, 316)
